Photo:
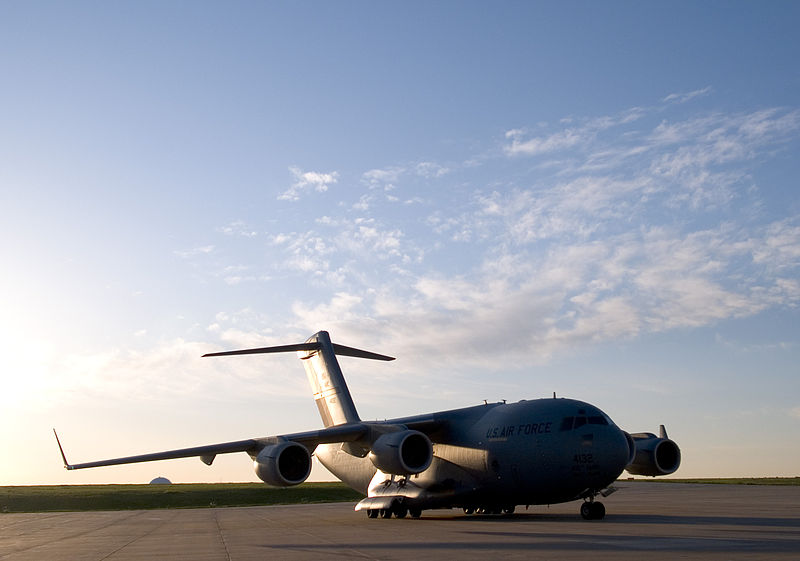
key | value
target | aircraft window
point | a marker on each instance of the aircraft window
(569, 423)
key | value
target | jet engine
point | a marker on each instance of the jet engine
(283, 464)
(402, 453)
(655, 455)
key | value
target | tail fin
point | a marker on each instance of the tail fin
(333, 399)
(318, 354)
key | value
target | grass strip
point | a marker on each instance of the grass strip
(54, 498)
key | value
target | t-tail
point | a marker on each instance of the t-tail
(325, 376)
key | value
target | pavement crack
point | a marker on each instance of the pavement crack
(137, 538)
(222, 536)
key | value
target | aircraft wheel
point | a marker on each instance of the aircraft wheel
(415, 512)
(372, 513)
(400, 511)
(586, 511)
(508, 509)
(468, 510)
(593, 511)
(386, 513)
(598, 510)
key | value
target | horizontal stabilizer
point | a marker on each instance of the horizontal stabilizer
(338, 349)
(358, 353)
(263, 350)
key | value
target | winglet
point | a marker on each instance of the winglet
(662, 432)
(61, 449)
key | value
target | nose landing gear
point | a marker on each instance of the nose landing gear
(593, 510)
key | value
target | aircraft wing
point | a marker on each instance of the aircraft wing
(207, 453)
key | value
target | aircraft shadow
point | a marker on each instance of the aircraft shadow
(636, 519)
(764, 536)
(567, 541)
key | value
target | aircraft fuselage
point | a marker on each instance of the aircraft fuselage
(531, 452)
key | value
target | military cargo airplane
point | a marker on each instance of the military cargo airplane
(484, 459)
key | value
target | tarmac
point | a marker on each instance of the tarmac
(644, 520)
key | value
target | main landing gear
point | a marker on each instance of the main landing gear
(489, 509)
(593, 510)
(397, 510)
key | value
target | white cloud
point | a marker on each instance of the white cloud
(578, 293)
(721, 138)
(768, 123)
(307, 181)
(361, 239)
(303, 243)
(698, 163)
(646, 225)
(431, 170)
(363, 203)
(385, 178)
(172, 368)
(684, 97)
(557, 141)
(779, 247)
(343, 307)
(400, 179)
(578, 134)
(234, 280)
(237, 228)
(194, 252)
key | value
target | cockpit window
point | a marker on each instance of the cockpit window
(570, 423)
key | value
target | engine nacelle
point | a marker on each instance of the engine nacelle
(283, 464)
(654, 455)
(402, 453)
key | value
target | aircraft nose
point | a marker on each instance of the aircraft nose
(614, 450)
(620, 450)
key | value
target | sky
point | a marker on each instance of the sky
(512, 198)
